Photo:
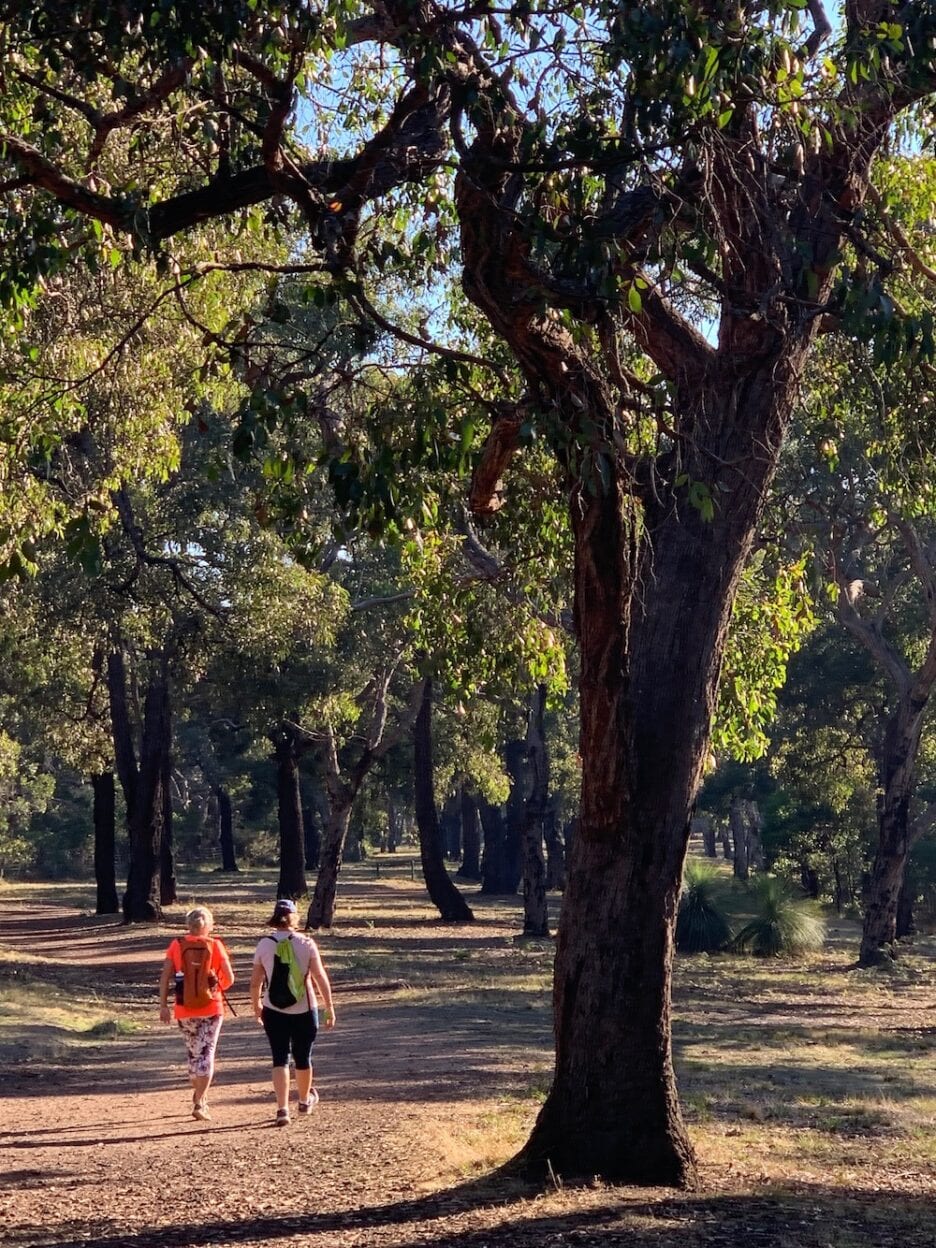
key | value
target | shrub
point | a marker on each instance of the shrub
(784, 923)
(701, 925)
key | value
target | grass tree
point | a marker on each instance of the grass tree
(783, 924)
(701, 923)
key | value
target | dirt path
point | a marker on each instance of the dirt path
(100, 1145)
(97, 1144)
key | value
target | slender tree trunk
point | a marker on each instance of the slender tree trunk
(470, 868)
(226, 830)
(739, 837)
(898, 781)
(535, 912)
(354, 850)
(724, 835)
(492, 859)
(322, 907)
(292, 880)
(809, 879)
(105, 877)
(312, 838)
(706, 826)
(515, 764)
(906, 923)
(141, 901)
(449, 902)
(168, 894)
(555, 850)
(393, 826)
(450, 828)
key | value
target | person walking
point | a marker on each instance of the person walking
(196, 973)
(287, 982)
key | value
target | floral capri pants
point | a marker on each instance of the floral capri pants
(201, 1041)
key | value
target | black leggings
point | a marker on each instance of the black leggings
(290, 1031)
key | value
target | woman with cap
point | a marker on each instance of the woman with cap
(198, 966)
(288, 968)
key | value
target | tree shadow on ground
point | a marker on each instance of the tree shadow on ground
(491, 1212)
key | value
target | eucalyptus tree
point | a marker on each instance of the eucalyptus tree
(653, 207)
(817, 783)
(867, 508)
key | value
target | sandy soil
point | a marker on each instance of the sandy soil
(97, 1143)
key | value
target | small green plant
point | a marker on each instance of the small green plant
(701, 925)
(784, 923)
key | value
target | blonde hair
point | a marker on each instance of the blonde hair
(199, 916)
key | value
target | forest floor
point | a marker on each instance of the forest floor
(808, 1089)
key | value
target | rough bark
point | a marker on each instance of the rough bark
(535, 912)
(105, 877)
(651, 608)
(449, 902)
(226, 830)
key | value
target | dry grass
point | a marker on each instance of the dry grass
(807, 1086)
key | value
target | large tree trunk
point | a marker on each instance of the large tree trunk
(898, 780)
(226, 830)
(653, 596)
(105, 877)
(444, 895)
(535, 912)
(470, 868)
(292, 879)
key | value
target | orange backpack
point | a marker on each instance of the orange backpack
(199, 982)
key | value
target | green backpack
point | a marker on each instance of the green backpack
(287, 983)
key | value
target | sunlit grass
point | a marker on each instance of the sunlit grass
(790, 1072)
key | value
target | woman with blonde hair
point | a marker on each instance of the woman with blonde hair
(198, 966)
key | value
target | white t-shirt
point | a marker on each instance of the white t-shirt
(264, 955)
